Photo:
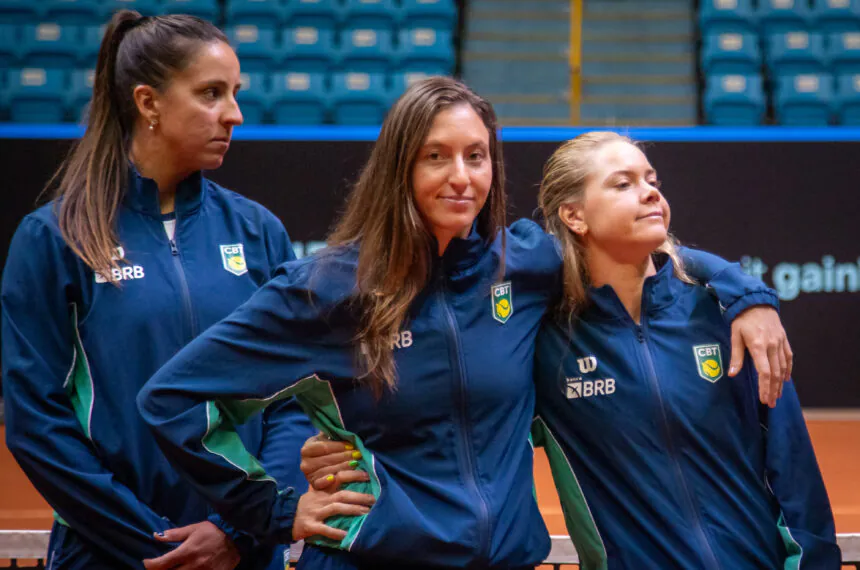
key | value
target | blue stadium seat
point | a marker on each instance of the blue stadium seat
(426, 50)
(254, 98)
(843, 52)
(72, 12)
(436, 14)
(803, 100)
(359, 98)
(312, 13)
(731, 53)
(80, 92)
(366, 51)
(8, 45)
(206, 9)
(256, 47)
(719, 16)
(19, 11)
(261, 13)
(91, 42)
(36, 95)
(309, 50)
(298, 98)
(781, 16)
(50, 45)
(369, 14)
(848, 100)
(831, 16)
(401, 81)
(796, 53)
(145, 7)
(736, 100)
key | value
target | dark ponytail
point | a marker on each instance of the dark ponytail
(91, 182)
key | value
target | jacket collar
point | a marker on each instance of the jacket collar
(142, 194)
(659, 291)
(462, 253)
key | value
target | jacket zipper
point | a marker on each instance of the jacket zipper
(183, 282)
(710, 559)
(467, 463)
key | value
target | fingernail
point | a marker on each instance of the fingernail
(732, 370)
(356, 455)
(353, 464)
(349, 447)
(330, 478)
(161, 534)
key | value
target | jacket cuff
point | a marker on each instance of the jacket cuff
(243, 542)
(748, 300)
(284, 514)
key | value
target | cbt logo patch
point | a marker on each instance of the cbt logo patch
(233, 257)
(709, 361)
(502, 301)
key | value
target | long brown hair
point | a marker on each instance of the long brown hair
(395, 245)
(564, 179)
(91, 181)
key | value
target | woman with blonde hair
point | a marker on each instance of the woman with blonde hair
(659, 459)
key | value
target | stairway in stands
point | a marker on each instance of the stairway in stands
(638, 63)
(515, 54)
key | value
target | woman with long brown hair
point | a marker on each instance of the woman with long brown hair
(136, 255)
(411, 338)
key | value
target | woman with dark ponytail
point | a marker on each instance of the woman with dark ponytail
(137, 254)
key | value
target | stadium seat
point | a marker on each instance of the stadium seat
(80, 92)
(145, 7)
(36, 95)
(720, 16)
(401, 81)
(831, 16)
(803, 100)
(8, 45)
(843, 53)
(309, 50)
(366, 51)
(782, 16)
(369, 15)
(796, 53)
(323, 14)
(19, 11)
(254, 98)
(49, 45)
(298, 98)
(736, 100)
(206, 9)
(359, 98)
(72, 12)
(436, 14)
(426, 50)
(261, 13)
(92, 41)
(731, 53)
(848, 100)
(255, 46)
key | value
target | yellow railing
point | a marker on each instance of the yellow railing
(575, 60)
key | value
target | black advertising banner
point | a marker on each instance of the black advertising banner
(788, 211)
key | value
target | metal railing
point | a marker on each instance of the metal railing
(19, 545)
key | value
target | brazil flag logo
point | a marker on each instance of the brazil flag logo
(502, 301)
(233, 257)
(709, 361)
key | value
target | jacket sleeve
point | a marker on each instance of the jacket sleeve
(806, 519)
(735, 290)
(49, 440)
(274, 346)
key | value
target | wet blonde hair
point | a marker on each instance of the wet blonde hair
(565, 176)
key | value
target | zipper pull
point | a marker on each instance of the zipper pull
(640, 335)
(173, 249)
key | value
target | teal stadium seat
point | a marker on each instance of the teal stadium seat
(734, 100)
(20, 11)
(848, 100)
(796, 53)
(720, 16)
(369, 14)
(92, 41)
(359, 98)
(254, 97)
(843, 53)
(260, 13)
(401, 81)
(36, 95)
(781, 16)
(803, 100)
(324, 14)
(50, 45)
(299, 98)
(145, 7)
(8, 45)
(255, 46)
(366, 51)
(80, 93)
(72, 12)
(309, 50)
(436, 14)
(831, 16)
(426, 50)
(206, 9)
(731, 53)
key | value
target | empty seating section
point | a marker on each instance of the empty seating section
(801, 56)
(303, 61)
